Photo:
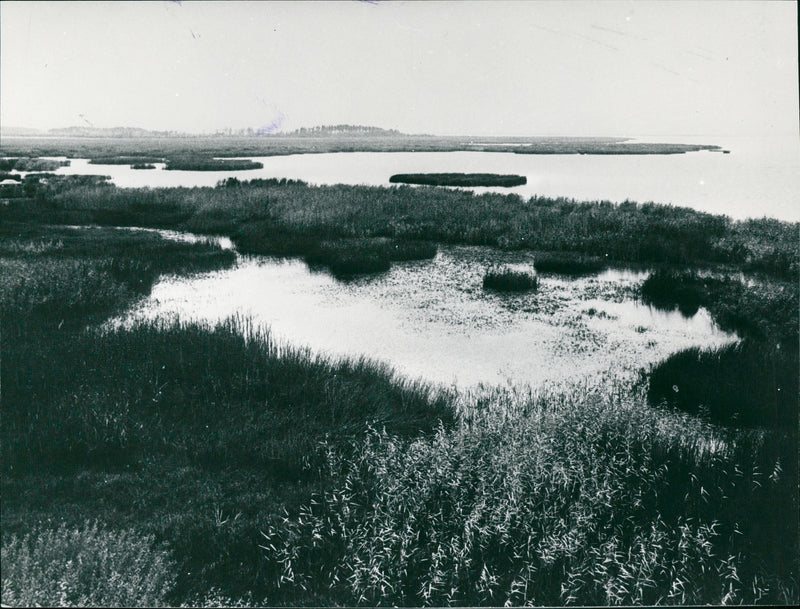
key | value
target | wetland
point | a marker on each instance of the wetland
(300, 394)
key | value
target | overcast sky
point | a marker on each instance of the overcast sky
(516, 68)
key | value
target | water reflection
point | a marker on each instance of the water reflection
(433, 320)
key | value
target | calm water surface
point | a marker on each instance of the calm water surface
(432, 319)
(760, 176)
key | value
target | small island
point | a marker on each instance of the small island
(203, 164)
(459, 179)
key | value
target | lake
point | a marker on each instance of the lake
(432, 320)
(760, 177)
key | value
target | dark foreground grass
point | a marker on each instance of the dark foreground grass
(458, 179)
(751, 383)
(505, 279)
(584, 500)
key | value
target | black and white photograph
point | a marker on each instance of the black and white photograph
(399, 303)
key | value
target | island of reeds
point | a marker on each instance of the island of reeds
(176, 463)
(458, 179)
(506, 279)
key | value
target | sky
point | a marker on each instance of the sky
(448, 68)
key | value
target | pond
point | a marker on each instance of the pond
(432, 320)
(760, 176)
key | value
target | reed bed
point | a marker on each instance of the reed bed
(458, 179)
(201, 164)
(594, 501)
(85, 566)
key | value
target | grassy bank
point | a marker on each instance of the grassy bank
(570, 499)
(458, 179)
(755, 382)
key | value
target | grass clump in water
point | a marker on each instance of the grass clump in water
(507, 279)
(210, 164)
(459, 179)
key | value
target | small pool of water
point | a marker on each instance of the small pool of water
(432, 320)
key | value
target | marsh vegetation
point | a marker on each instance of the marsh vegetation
(225, 466)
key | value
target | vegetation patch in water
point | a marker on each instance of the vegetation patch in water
(506, 279)
(200, 164)
(459, 179)
(143, 166)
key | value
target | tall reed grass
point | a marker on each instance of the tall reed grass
(85, 566)
(593, 502)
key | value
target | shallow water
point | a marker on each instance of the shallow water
(433, 321)
(760, 177)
